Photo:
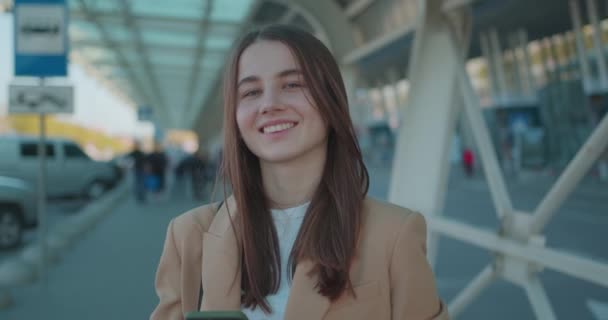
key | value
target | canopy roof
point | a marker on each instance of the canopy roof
(163, 54)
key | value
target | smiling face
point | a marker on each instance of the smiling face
(275, 113)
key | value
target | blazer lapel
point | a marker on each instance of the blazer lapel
(222, 273)
(221, 262)
(304, 301)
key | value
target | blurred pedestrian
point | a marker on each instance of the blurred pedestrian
(468, 161)
(193, 171)
(157, 167)
(137, 156)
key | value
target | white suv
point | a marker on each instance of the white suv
(17, 210)
(70, 172)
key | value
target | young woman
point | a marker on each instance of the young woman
(298, 238)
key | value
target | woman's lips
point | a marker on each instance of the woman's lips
(279, 127)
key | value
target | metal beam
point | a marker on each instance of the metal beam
(177, 66)
(299, 8)
(357, 7)
(529, 76)
(168, 48)
(472, 108)
(155, 21)
(581, 50)
(578, 267)
(516, 60)
(473, 290)
(376, 44)
(600, 57)
(288, 16)
(196, 59)
(496, 51)
(145, 61)
(486, 52)
(451, 5)
(539, 299)
(122, 61)
(572, 175)
(429, 113)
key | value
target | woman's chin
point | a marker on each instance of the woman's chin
(277, 158)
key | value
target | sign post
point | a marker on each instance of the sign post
(42, 214)
(41, 49)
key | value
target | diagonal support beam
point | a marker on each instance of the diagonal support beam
(143, 96)
(159, 102)
(198, 56)
(473, 290)
(570, 178)
(539, 299)
(575, 266)
(498, 188)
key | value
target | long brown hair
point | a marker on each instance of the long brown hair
(330, 230)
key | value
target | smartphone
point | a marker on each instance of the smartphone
(216, 315)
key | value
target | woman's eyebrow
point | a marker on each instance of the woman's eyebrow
(289, 72)
(282, 74)
(246, 80)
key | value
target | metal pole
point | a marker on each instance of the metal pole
(571, 55)
(487, 53)
(516, 64)
(498, 64)
(539, 299)
(523, 42)
(575, 15)
(584, 159)
(472, 291)
(597, 41)
(42, 221)
(553, 43)
(393, 79)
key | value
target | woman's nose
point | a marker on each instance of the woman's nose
(271, 101)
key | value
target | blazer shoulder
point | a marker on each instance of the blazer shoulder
(198, 219)
(385, 212)
(388, 221)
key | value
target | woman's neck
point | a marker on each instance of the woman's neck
(292, 183)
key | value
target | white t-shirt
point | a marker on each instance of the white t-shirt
(287, 222)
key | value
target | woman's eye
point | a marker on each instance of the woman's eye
(251, 93)
(293, 85)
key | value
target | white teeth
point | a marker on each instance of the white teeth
(278, 127)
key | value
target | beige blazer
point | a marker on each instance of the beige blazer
(390, 274)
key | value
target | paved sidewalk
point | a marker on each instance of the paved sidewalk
(109, 274)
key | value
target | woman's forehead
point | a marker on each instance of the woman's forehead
(266, 58)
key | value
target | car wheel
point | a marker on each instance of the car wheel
(95, 190)
(11, 228)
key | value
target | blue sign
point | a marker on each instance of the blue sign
(145, 113)
(41, 38)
